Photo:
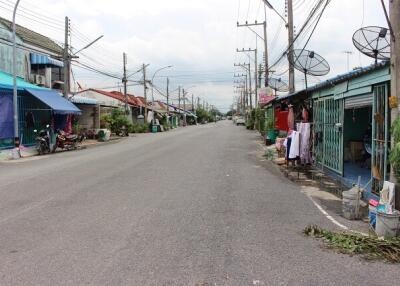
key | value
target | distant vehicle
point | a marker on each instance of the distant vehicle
(229, 117)
(240, 121)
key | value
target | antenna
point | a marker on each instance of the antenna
(278, 85)
(309, 62)
(348, 54)
(373, 41)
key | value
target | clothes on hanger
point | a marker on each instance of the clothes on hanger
(294, 151)
(305, 134)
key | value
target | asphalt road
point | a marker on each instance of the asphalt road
(194, 206)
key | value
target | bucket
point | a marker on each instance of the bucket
(351, 204)
(271, 135)
(387, 225)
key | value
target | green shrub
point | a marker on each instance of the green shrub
(138, 128)
(394, 155)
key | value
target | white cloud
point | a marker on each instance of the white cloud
(198, 37)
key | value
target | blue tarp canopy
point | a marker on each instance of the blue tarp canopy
(37, 59)
(55, 101)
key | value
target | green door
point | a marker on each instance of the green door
(328, 133)
(380, 137)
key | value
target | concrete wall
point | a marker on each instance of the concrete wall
(87, 120)
(6, 55)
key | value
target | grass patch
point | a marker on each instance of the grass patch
(269, 154)
(368, 247)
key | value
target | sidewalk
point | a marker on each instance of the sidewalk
(28, 153)
(324, 191)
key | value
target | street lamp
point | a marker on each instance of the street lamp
(16, 153)
(272, 8)
(88, 45)
(152, 89)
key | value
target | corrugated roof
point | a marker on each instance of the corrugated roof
(340, 78)
(6, 81)
(33, 38)
(83, 100)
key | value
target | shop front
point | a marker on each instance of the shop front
(351, 126)
(37, 107)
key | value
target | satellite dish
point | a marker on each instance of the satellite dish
(278, 85)
(373, 42)
(310, 62)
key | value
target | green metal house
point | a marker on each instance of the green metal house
(351, 125)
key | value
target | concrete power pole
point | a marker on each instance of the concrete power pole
(168, 98)
(125, 81)
(145, 93)
(179, 104)
(266, 54)
(264, 24)
(255, 76)
(394, 15)
(292, 87)
(66, 59)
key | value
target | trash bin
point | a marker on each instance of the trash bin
(154, 128)
(351, 203)
(387, 225)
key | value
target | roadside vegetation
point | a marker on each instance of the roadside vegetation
(369, 247)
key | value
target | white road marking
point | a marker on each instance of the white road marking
(328, 216)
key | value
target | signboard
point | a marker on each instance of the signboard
(265, 95)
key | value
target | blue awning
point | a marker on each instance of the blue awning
(54, 100)
(38, 59)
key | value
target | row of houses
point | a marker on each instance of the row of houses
(40, 82)
(349, 118)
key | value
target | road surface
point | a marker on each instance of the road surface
(194, 206)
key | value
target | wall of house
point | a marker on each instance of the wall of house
(6, 55)
(87, 120)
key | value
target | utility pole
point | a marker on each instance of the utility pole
(125, 81)
(260, 71)
(264, 24)
(394, 24)
(266, 54)
(145, 93)
(66, 59)
(292, 87)
(248, 87)
(255, 75)
(179, 104)
(168, 99)
(192, 102)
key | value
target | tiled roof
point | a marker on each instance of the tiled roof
(30, 37)
(117, 95)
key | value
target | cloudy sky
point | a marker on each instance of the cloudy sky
(197, 37)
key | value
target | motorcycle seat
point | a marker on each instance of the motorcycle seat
(72, 137)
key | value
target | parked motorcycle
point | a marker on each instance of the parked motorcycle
(66, 141)
(43, 140)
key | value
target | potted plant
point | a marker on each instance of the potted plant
(270, 130)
